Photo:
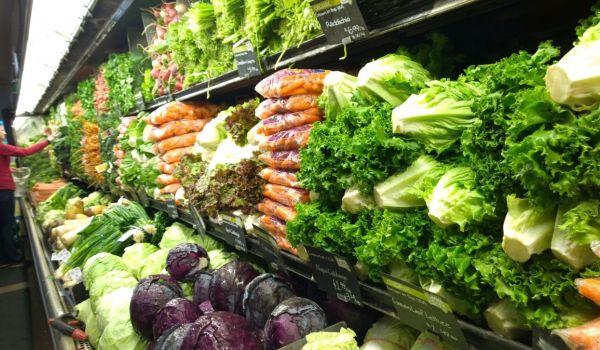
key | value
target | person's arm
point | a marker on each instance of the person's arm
(14, 151)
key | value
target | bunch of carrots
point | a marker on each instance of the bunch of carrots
(101, 93)
(175, 126)
(286, 120)
(91, 152)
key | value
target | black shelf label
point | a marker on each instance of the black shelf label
(199, 224)
(268, 250)
(233, 231)
(544, 340)
(139, 101)
(172, 208)
(143, 196)
(340, 20)
(334, 274)
(425, 311)
(246, 59)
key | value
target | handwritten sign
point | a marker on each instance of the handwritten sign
(268, 250)
(172, 208)
(199, 224)
(334, 275)
(143, 197)
(544, 340)
(340, 20)
(425, 311)
(246, 59)
(232, 231)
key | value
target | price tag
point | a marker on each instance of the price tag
(139, 101)
(198, 221)
(269, 251)
(233, 231)
(246, 59)
(143, 196)
(334, 275)
(76, 275)
(425, 311)
(134, 197)
(544, 340)
(340, 20)
(61, 256)
(172, 208)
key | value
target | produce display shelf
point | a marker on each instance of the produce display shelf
(318, 51)
(374, 296)
(58, 301)
(312, 53)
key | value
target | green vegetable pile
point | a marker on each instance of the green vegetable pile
(202, 40)
(41, 165)
(427, 171)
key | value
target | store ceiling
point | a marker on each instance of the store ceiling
(14, 17)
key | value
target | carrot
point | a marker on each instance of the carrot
(167, 168)
(176, 128)
(280, 177)
(176, 142)
(174, 156)
(287, 82)
(589, 288)
(287, 140)
(172, 188)
(278, 210)
(286, 195)
(166, 179)
(288, 160)
(295, 103)
(584, 337)
(286, 121)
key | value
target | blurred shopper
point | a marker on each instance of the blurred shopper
(8, 249)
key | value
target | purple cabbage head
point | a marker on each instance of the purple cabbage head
(185, 261)
(175, 312)
(293, 319)
(262, 295)
(223, 330)
(201, 287)
(206, 308)
(227, 286)
(149, 296)
(172, 338)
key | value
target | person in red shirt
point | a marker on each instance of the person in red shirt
(8, 249)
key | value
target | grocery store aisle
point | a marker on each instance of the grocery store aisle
(22, 320)
(15, 322)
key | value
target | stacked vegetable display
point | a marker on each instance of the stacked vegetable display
(174, 127)
(286, 120)
(222, 298)
(454, 184)
(165, 73)
(221, 174)
(200, 44)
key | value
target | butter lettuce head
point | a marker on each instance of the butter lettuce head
(342, 340)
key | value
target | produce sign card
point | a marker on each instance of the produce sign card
(199, 224)
(233, 231)
(425, 311)
(334, 275)
(268, 250)
(544, 340)
(172, 208)
(143, 196)
(246, 59)
(340, 20)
